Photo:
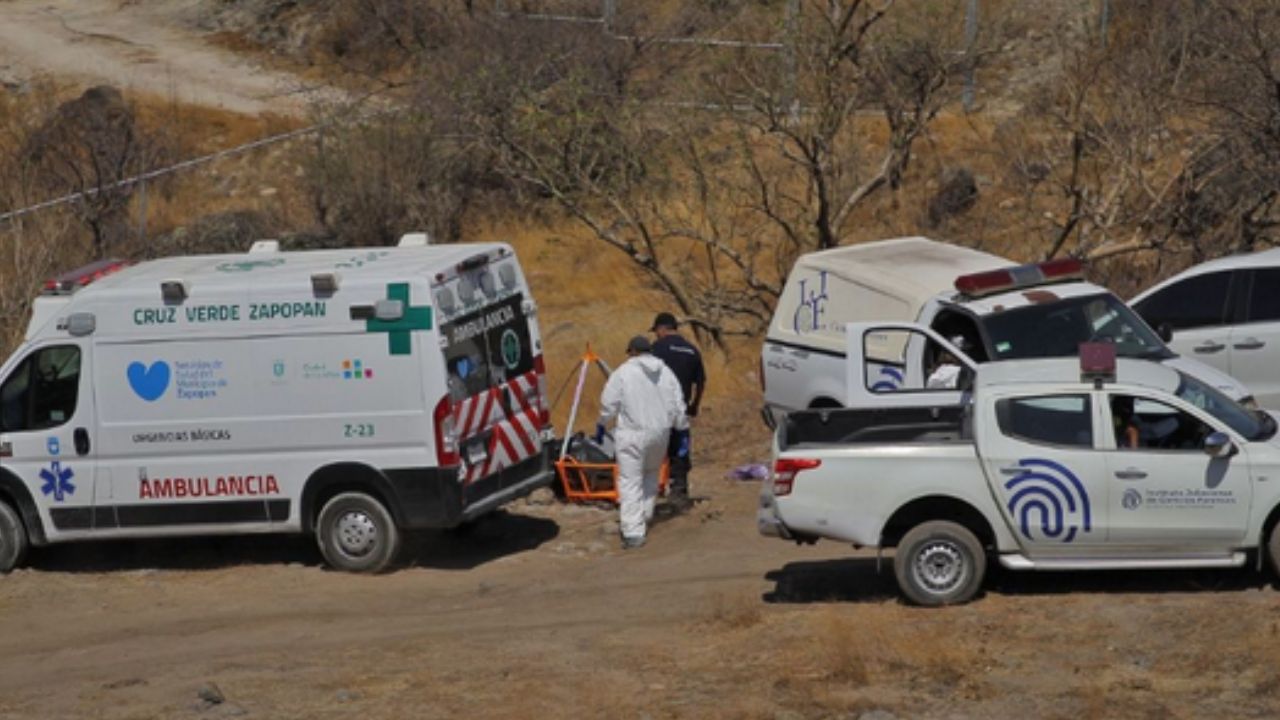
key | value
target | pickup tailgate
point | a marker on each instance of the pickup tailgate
(849, 492)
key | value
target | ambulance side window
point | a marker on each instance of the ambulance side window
(42, 391)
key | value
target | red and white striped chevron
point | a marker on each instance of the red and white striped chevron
(514, 437)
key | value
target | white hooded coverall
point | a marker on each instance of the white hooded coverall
(645, 397)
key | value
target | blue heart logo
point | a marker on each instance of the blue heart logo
(149, 382)
(464, 367)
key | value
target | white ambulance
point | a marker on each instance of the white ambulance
(352, 394)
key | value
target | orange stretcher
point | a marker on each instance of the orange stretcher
(585, 479)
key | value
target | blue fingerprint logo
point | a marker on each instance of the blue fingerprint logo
(890, 380)
(1048, 502)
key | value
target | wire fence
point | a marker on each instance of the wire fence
(187, 164)
(607, 20)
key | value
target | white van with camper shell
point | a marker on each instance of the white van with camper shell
(353, 394)
(995, 310)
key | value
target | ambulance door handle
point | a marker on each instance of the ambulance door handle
(81, 437)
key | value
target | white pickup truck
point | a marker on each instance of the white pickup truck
(1043, 464)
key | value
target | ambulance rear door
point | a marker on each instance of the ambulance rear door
(496, 375)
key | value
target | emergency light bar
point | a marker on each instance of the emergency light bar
(1097, 362)
(1020, 276)
(473, 262)
(68, 283)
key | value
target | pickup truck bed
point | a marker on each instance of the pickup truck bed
(846, 426)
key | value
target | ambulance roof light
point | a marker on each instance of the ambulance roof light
(67, 283)
(475, 261)
(417, 239)
(1019, 276)
(324, 284)
(264, 246)
(173, 291)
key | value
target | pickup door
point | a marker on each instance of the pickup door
(1166, 491)
(915, 351)
(1049, 482)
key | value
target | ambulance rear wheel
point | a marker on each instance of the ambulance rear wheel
(13, 538)
(356, 533)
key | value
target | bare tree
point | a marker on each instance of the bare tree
(713, 198)
(805, 133)
(33, 247)
(709, 169)
(1154, 147)
(1231, 186)
(370, 179)
(88, 146)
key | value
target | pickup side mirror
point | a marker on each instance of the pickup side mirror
(1218, 445)
(1165, 331)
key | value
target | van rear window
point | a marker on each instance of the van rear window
(487, 347)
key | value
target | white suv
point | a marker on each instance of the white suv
(1225, 313)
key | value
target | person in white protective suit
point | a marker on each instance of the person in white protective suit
(645, 397)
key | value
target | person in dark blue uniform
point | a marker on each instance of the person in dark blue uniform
(686, 363)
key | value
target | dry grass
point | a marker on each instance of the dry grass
(734, 612)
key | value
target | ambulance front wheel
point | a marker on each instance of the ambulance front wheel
(357, 534)
(13, 538)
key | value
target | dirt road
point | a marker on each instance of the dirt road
(537, 613)
(139, 46)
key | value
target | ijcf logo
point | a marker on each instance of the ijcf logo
(1048, 502)
(1132, 499)
(812, 305)
(355, 370)
(890, 380)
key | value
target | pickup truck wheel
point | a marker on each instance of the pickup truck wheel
(1273, 550)
(357, 534)
(13, 538)
(939, 563)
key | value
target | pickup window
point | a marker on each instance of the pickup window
(1143, 424)
(1063, 420)
(943, 424)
